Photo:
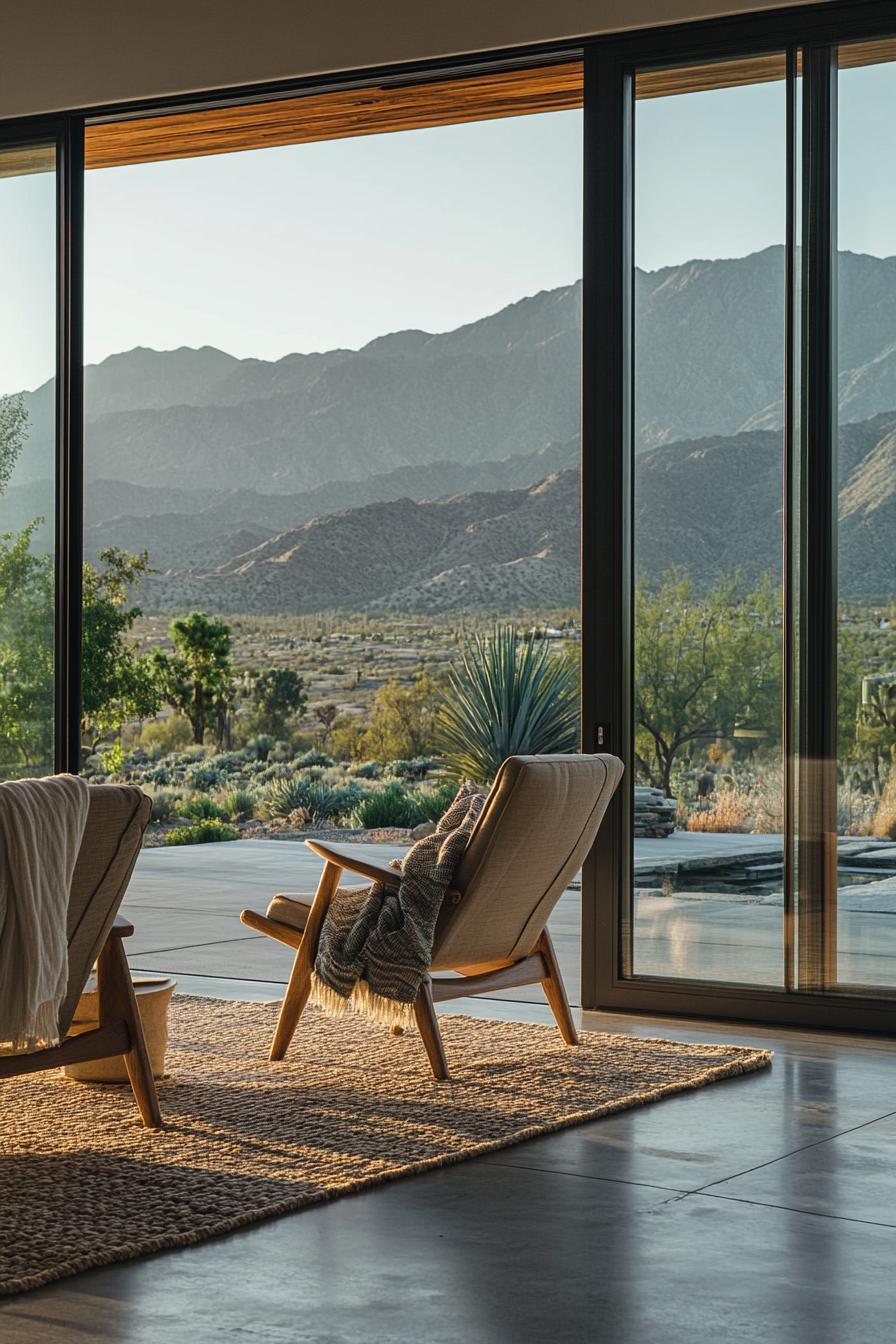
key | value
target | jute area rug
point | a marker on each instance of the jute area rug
(83, 1184)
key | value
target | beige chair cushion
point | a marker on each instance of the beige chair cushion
(291, 910)
(539, 822)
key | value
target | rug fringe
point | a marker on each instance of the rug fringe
(376, 1008)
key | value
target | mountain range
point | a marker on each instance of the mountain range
(431, 471)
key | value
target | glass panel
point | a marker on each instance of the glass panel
(866, 698)
(337, 407)
(27, 458)
(710, 284)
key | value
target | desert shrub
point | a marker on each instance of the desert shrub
(415, 769)
(203, 775)
(346, 735)
(166, 803)
(310, 758)
(171, 734)
(313, 773)
(202, 833)
(858, 811)
(230, 762)
(367, 770)
(433, 803)
(160, 774)
(884, 823)
(402, 721)
(390, 806)
(202, 808)
(238, 804)
(113, 759)
(731, 809)
(260, 746)
(272, 772)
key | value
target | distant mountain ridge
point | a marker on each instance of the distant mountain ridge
(711, 506)
(429, 472)
(709, 360)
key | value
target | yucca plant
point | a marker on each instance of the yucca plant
(390, 806)
(320, 803)
(508, 696)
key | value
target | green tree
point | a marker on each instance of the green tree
(276, 697)
(26, 655)
(402, 721)
(198, 677)
(326, 715)
(347, 736)
(703, 665)
(118, 683)
(26, 625)
(509, 695)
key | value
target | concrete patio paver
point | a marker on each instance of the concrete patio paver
(185, 903)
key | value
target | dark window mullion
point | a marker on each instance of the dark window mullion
(817, 849)
(789, 566)
(69, 443)
(606, 506)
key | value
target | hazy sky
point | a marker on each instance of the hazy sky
(315, 246)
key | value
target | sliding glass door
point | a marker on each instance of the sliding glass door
(709, 467)
(865, 280)
(740, 322)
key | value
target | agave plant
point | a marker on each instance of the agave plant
(509, 695)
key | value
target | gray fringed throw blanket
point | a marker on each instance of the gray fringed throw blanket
(41, 826)
(376, 943)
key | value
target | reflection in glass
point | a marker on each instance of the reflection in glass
(710, 229)
(866, 695)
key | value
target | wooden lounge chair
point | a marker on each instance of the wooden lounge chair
(112, 837)
(538, 823)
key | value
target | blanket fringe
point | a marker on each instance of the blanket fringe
(386, 1012)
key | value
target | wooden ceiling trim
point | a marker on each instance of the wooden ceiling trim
(666, 82)
(26, 159)
(333, 116)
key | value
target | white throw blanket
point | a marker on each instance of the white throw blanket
(41, 825)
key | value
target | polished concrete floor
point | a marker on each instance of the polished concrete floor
(760, 1209)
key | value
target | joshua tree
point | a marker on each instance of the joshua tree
(198, 678)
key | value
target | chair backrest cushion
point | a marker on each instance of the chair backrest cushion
(539, 821)
(112, 838)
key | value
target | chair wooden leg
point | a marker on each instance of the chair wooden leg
(116, 1001)
(293, 1005)
(555, 991)
(299, 986)
(428, 1026)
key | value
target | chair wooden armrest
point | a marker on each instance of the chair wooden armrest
(122, 928)
(342, 856)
